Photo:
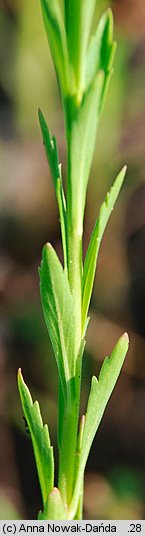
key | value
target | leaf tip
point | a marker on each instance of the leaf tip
(125, 337)
(109, 13)
(40, 116)
(45, 250)
(94, 380)
(124, 169)
(110, 22)
(123, 342)
(19, 375)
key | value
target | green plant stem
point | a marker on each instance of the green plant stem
(67, 452)
(79, 512)
(74, 231)
(75, 276)
(69, 430)
(68, 446)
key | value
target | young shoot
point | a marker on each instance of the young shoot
(83, 63)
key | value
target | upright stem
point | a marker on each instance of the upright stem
(74, 230)
(75, 277)
(67, 449)
(67, 452)
(68, 445)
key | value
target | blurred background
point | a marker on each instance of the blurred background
(115, 476)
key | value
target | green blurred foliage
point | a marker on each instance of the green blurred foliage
(7, 509)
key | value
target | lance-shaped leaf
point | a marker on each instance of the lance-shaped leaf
(54, 507)
(93, 249)
(68, 421)
(55, 168)
(101, 53)
(88, 7)
(78, 19)
(58, 307)
(100, 393)
(73, 24)
(51, 150)
(56, 34)
(81, 147)
(43, 451)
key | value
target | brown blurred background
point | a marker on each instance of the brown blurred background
(115, 477)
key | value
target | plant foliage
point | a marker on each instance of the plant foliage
(83, 63)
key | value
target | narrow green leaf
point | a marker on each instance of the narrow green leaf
(55, 167)
(78, 19)
(54, 507)
(67, 443)
(51, 150)
(100, 393)
(101, 53)
(93, 249)
(61, 409)
(79, 511)
(107, 41)
(54, 25)
(58, 307)
(73, 24)
(81, 144)
(63, 218)
(40, 439)
(88, 7)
